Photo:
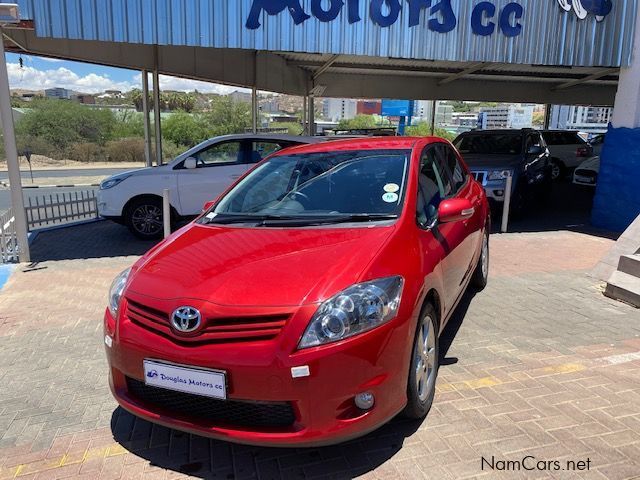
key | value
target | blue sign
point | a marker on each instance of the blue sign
(396, 108)
(442, 18)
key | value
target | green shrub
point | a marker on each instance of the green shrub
(38, 146)
(62, 123)
(86, 152)
(125, 150)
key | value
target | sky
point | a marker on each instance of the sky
(39, 73)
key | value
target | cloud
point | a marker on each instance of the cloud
(187, 85)
(30, 78)
(50, 60)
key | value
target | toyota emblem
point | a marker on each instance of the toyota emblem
(185, 319)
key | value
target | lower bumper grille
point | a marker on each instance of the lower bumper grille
(230, 413)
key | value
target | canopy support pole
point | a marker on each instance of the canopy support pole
(156, 115)
(147, 122)
(13, 167)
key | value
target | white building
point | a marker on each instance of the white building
(584, 119)
(336, 109)
(423, 112)
(506, 116)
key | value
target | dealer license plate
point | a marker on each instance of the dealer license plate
(185, 379)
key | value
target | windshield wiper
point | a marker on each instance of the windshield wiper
(298, 220)
(326, 220)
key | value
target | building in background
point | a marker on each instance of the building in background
(58, 93)
(506, 116)
(584, 119)
(336, 109)
(423, 112)
(369, 107)
(238, 96)
(85, 99)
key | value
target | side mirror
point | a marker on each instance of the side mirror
(535, 150)
(208, 205)
(190, 163)
(455, 210)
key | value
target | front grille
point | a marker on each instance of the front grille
(479, 176)
(231, 413)
(214, 329)
(586, 173)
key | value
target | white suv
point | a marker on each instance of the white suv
(200, 174)
(568, 150)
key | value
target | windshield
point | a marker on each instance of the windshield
(327, 187)
(490, 144)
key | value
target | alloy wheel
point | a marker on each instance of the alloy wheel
(147, 219)
(555, 171)
(425, 359)
(484, 259)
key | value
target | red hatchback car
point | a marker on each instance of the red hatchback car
(303, 307)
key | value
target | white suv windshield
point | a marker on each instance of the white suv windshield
(332, 186)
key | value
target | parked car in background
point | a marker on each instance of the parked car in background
(587, 172)
(304, 306)
(597, 142)
(568, 149)
(135, 198)
(493, 155)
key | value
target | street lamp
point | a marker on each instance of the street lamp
(9, 15)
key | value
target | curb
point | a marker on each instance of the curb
(24, 187)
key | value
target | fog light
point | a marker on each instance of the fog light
(365, 400)
(108, 341)
(499, 193)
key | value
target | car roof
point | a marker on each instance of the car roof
(366, 143)
(268, 136)
(499, 131)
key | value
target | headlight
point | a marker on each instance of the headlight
(357, 309)
(112, 182)
(115, 292)
(498, 174)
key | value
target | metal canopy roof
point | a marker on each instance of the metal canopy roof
(157, 34)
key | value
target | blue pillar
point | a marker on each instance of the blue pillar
(617, 200)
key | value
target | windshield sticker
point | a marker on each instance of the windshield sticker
(211, 216)
(390, 197)
(391, 187)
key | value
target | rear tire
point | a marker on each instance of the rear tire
(144, 218)
(558, 170)
(481, 273)
(423, 369)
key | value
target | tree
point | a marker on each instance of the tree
(184, 129)
(360, 121)
(226, 116)
(62, 123)
(423, 129)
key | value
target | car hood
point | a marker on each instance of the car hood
(592, 164)
(486, 161)
(257, 266)
(137, 172)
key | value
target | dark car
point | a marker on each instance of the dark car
(493, 155)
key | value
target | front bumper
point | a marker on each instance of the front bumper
(322, 403)
(110, 204)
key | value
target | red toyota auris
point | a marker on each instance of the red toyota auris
(303, 307)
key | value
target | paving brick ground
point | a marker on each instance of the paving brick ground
(539, 365)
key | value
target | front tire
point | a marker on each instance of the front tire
(481, 273)
(423, 370)
(558, 169)
(144, 218)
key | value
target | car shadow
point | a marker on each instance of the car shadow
(99, 239)
(207, 458)
(567, 208)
